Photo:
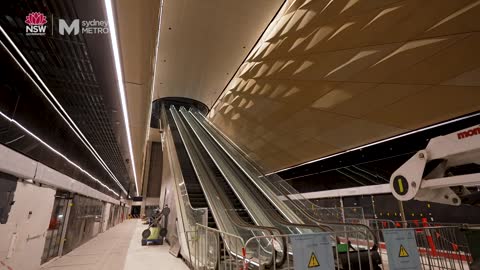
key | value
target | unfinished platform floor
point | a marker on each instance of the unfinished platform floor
(116, 249)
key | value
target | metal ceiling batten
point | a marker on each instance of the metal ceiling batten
(63, 63)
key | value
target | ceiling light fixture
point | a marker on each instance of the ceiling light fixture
(56, 151)
(378, 142)
(121, 87)
(152, 90)
(51, 99)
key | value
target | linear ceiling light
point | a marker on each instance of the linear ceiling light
(152, 90)
(378, 142)
(56, 152)
(121, 88)
(51, 99)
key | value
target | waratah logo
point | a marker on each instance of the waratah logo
(36, 24)
(36, 18)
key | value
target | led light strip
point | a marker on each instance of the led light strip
(121, 88)
(51, 97)
(56, 152)
(152, 90)
(379, 142)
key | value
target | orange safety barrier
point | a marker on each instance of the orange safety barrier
(431, 244)
(245, 262)
(7, 266)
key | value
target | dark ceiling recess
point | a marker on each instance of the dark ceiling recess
(370, 165)
(70, 67)
(176, 101)
(21, 101)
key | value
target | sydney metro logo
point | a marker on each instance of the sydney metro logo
(36, 24)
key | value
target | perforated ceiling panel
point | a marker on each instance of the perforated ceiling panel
(65, 65)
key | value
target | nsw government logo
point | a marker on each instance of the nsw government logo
(36, 24)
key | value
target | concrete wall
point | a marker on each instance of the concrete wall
(155, 171)
(23, 236)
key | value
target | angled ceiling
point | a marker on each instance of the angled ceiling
(332, 75)
(137, 24)
(203, 43)
(77, 70)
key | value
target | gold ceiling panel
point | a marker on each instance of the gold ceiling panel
(328, 76)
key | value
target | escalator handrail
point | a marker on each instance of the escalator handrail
(269, 214)
(260, 172)
(276, 218)
(241, 223)
(244, 172)
(188, 209)
(273, 231)
(233, 218)
(182, 180)
(229, 172)
(291, 217)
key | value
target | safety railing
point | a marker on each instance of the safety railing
(440, 245)
(354, 254)
(288, 202)
(208, 244)
(255, 203)
(436, 248)
(440, 248)
(227, 222)
(247, 168)
(432, 248)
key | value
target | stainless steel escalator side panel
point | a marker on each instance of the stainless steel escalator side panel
(248, 201)
(183, 207)
(252, 174)
(253, 201)
(215, 200)
(273, 192)
(196, 215)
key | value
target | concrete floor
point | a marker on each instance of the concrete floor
(116, 249)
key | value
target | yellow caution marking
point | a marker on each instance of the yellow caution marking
(400, 185)
(403, 252)
(313, 262)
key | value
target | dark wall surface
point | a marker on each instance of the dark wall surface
(8, 185)
(155, 171)
(385, 206)
(84, 222)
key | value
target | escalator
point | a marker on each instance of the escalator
(289, 208)
(193, 187)
(238, 208)
(196, 150)
(262, 210)
(206, 186)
